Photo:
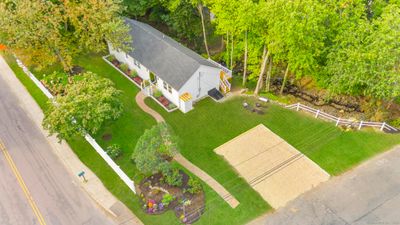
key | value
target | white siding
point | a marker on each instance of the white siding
(203, 80)
(142, 71)
(173, 96)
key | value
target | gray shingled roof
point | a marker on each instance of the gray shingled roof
(163, 56)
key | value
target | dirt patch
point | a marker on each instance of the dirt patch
(106, 137)
(271, 166)
(188, 207)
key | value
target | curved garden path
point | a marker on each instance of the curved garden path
(217, 187)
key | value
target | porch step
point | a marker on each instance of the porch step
(215, 94)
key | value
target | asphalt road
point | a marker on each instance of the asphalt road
(367, 195)
(35, 188)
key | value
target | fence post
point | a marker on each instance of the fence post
(383, 126)
(361, 123)
(337, 121)
(316, 115)
(298, 106)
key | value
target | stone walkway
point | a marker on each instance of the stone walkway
(94, 187)
(217, 187)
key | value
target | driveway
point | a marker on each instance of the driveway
(367, 195)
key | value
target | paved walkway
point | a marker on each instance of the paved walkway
(94, 187)
(217, 187)
(367, 195)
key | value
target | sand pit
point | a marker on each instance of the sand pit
(271, 166)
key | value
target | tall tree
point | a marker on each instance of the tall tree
(86, 106)
(366, 60)
(49, 31)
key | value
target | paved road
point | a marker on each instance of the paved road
(54, 195)
(368, 195)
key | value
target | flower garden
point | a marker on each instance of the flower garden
(132, 74)
(166, 187)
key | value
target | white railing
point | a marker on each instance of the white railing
(88, 138)
(340, 121)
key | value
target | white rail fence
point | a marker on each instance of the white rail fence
(340, 121)
(88, 138)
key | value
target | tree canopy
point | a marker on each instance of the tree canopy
(154, 149)
(44, 32)
(83, 108)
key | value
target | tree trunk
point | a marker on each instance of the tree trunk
(262, 71)
(245, 59)
(268, 80)
(231, 67)
(284, 79)
(63, 62)
(227, 49)
(200, 8)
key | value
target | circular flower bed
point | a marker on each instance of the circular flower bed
(187, 200)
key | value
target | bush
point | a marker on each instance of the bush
(154, 149)
(194, 186)
(167, 199)
(395, 123)
(172, 177)
(111, 58)
(56, 82)
(157, 93)
(124, 67)
(114, 151)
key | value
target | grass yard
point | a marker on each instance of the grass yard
(125, 132)
(211, 124)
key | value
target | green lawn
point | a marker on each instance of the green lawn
(125, 132)
(211, 124)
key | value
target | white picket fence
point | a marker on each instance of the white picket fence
(88, 138)
(340, 121)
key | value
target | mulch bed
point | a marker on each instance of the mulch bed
(153, 189)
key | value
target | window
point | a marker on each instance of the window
(167, 87)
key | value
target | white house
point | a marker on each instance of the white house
(182, 75)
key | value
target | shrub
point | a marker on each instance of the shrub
(56, 82)
(395, 123)
(157, 93)
(154, 149)
(134, 73)
(124, 67)
(173, 177)
(111, 58)
(167, 199)
(114, 151)
(194, 186)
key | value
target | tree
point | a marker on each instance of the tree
(48, 31)
(86, 105)
(154, 149)
(366, 58)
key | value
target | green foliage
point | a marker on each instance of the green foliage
(157, 93)
(111, 58)
(124, 67)
(44, 32)
(56, 82)
(167, 199)
(395, 123)
(194, 186)
(172, 177)
(365, 61)
(114, 151)
(154, 149)
(86, 106)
